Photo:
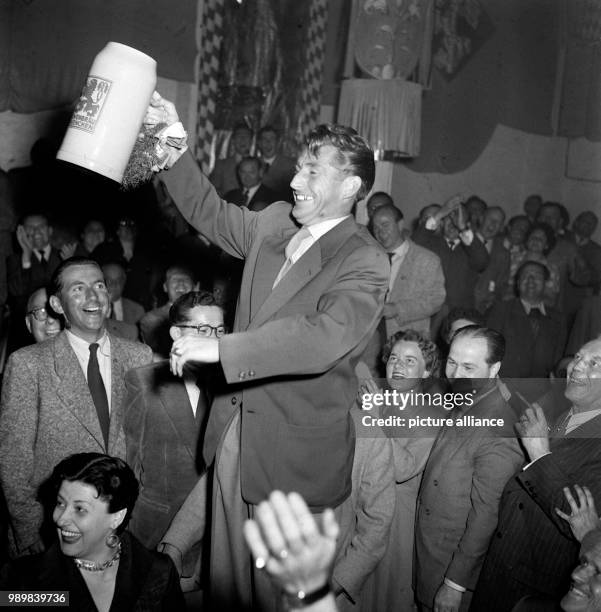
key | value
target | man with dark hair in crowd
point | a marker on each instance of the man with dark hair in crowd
(279, 169)
(92, 235)
(532, 206)
(456, 319)
(164, 424)
(154, 325)
(492, 281)
(377, 199)
(122, 308)
(533, 550)
(535, 334)
(465, 475)
(515, 242)
(252, 193)
(309, 302)
(40, 320)
(461, 252)
(62, 396)
(224, 176)
(475, 207)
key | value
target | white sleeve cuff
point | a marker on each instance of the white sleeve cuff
(529, 464)
(454, 585)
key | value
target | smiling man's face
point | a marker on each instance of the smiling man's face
(322, 189)
(83, 301)
(585, 593)
(583, 387)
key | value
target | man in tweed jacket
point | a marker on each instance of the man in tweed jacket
(47, 411)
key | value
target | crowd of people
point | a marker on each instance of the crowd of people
(219, 422)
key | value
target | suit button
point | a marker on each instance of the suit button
(242, 375)
(234, 401)
(427, 512)
(435, 482)
(251, 372)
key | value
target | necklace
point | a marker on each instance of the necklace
(94, 566)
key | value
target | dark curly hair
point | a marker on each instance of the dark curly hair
(354, 155)
(429, 350)
(110, 476)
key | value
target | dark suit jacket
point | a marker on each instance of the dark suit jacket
(497, 272)
(47, 413)
(262, 198)
(291, 358)
(225, 175)
(146, 581)
(459, 496)
(164, 448)
(527, 356)
(22, 283)
(279, 175)
(461, 265)
(532, 543)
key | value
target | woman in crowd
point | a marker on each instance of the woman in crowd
(100, 564)
(411, 360)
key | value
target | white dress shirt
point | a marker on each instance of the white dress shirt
(81, 348)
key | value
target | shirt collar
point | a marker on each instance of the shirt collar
(401, 249)
(83, 345)
(528, 307)
(317, 230)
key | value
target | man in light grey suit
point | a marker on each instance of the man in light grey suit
(416, 288)
(62, 396)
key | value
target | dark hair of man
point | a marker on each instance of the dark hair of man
(267, 129)
(538, 264)
(549, 233)
(110, 476)
(383, 196)
(179, 268)
(478, 199)
(35, 213)
(392, 209)
(494, 339)
(469, 314)
(178, 313)
(56, 282)
(517, 218)
(429, 350)
(249, 158)
(495, 208)
(355, 156)
(241, 127)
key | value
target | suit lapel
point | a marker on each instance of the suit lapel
(118, 360)
(176, 403)
(73, 389)
(271, 258)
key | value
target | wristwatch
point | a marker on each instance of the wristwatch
(302, 599)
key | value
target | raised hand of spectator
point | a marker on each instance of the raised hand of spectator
(286, 541)
(194, 349)
(24, 243)
(68, 250)
(534, 432)
(584, 517)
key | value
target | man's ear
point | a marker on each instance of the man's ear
(56, 305)
(165, 288)
(175, 332)
(196, 286)
(494, 369)
(352, 184)
(28, 323)
(401, 225)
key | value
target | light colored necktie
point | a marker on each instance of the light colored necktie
(290, 249)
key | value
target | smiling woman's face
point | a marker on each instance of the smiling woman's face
(405, 366)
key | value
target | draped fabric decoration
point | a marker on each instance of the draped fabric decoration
(308, 113)
(580, 71)
(386, 112)
(211, 26)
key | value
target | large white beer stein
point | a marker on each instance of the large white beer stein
(108, 116)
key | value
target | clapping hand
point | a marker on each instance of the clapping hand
(584, 517)
(68, 250)
(24, 242)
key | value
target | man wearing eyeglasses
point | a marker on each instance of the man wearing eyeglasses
(164, 422)
(39, 319)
